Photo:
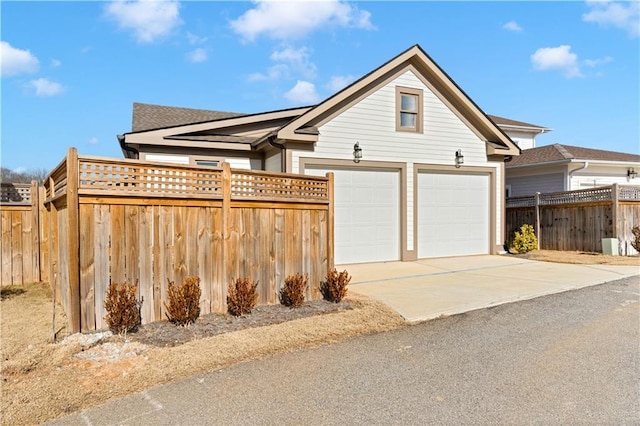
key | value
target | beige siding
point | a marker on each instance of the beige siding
(523, 140)
(597, 175)
(273, 163)
(371, 122)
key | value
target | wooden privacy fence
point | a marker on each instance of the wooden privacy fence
(578, 220)
(125, 220)
(23, 256)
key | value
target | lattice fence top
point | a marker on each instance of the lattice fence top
(521, 201)
(579, 196)
(15, 193)
(629, 193)
(264, 186)
(605, 193)
(145, 179)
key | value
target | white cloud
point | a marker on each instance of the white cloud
(195, 39)
(275, 72)
(197, 55)
(16, 61)
(45, 87)
(295, 19)
(512, 26)
(595, 62)
(557, 58)
(93, 141)
(303, 92)
(291, 61)
(624, 16)
(149, 20)
(55, 63)
(339, 82)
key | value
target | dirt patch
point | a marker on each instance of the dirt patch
(580, 257)
(42, 380)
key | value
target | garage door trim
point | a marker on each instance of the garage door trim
(308, 162)
(465, 170)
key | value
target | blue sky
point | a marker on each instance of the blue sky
(72, 70)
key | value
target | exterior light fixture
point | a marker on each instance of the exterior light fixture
(459, 158)
(631, 174)
(357, 152)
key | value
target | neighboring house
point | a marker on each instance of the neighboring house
(557, 167)
(523, 134)
(418, 166)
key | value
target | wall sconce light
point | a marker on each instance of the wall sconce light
(631, 174)
(459, 158)
(357, 152)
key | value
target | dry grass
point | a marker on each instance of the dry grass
(581, 257)
(42, 380)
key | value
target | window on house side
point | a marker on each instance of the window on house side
(408, 109)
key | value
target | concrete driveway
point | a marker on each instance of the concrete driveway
(430, 288)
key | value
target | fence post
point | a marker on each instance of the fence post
(35, 223)
(537, 224)
(226, 234)
(73, 239)
(330, 225)
(615, 204)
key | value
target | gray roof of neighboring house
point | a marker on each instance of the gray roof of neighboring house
(558, 152)
(501, 121)
(148, 117)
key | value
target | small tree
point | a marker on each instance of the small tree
(334, 287)
(635, 243)
(123, 308)
(242, 297)
(184, 301)
(525, 240)
(292, 294)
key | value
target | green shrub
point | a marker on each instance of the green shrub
(123, 308)
(242, 297)
(334, 287)
(636, 234)
(184, 301)
(525, 240)
(292, 294)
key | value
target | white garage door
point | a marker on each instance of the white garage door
(453, 214)
(367, 214)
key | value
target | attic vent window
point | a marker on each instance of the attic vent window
(408, 110)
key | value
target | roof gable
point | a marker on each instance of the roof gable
(558, 153)
(432, 75)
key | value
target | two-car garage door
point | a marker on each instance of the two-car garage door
(452, 214)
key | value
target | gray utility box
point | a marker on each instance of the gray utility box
(610, 246)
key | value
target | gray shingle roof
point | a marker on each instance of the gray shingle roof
(501, 121)
(558, 152)
(147, 116)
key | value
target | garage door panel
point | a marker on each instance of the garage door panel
(367, 214)
(453, 214)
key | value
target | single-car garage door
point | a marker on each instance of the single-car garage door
(453, 214)
(367, 214)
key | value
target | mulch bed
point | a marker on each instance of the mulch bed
(166, 334)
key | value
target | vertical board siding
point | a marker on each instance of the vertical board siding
(578, 227)
(154, 243)
(21, 240)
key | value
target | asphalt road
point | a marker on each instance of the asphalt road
(564, 359)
